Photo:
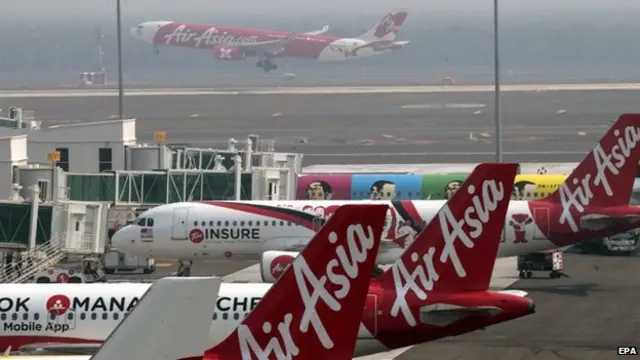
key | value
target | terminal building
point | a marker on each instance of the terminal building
(63, 187)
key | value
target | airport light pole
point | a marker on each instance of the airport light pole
(496, 70)
(120, 84)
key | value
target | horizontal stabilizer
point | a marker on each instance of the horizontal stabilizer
(597, 222)
(447, 314)
(515, 292)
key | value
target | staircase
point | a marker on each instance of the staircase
(40, 258)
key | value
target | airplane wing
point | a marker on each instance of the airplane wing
(324, 29)
(270, 47)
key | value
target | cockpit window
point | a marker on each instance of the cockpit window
(149, 222)
(142, 222)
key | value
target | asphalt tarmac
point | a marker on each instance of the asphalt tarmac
(366, 128)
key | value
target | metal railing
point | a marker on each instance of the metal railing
(41, 257)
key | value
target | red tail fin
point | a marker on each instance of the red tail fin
(457, 250)
(605, 176)
(314, 310)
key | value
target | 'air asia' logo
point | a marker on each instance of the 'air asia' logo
(58, 304)
(279, 265)
(614, 161)
(519, 224)
(196, 236)
(424, 275)
(359, 242)
(183, 34)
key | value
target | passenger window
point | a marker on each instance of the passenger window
(149, 222)
(36, 316)
(226, 223)
(219, 223)
(211, 223)
(289, 223)
(204, 223)
(281, 223)
(52, 316)
(273, 223)
(236, 316)
(142, 222)
(215, 316)
(266, 223)
(94, 316)
(105, 316)
(3, 317)
(235, 223)
(241, 223)
(195, 223)
(116, 316)
(70, 316)
(225, 316)
(25, 316)
(83, 316)
(250, 223)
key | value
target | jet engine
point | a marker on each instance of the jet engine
(274, 263)
(223, 52)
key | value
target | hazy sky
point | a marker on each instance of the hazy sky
(52, 8)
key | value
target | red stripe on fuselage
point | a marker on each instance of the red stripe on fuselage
(285, 214)
(18, 341)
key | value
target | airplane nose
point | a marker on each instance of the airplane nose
(136, 32)
(125, 238)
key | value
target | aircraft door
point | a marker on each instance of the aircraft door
(542, 223)
(370, 313)
(179, 224)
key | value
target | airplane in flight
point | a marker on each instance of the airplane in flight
(438, 288)
(238, 43)
(592, 203)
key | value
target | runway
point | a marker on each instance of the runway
(539, 122)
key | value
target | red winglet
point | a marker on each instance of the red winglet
(605, 176)
(314, 310)
(458, 248)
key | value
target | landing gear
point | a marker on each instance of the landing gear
(184, 268)
(266, 65)
(525, 274)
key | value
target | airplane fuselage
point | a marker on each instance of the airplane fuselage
(35, 314)
(244, 230)
(305, 46)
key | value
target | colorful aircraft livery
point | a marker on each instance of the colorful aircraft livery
(411, 186)
(236, 43)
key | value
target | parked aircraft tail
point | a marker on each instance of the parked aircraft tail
(388, 27)
(457, 250)
(605, 177)
(314, 309)
(171, 321)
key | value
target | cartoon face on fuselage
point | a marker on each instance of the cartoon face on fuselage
(244, 230)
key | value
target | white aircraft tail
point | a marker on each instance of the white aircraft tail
(171, 321)
(388, 27)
